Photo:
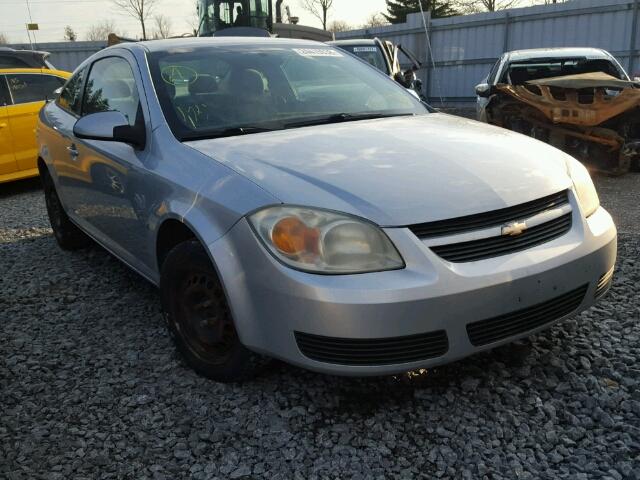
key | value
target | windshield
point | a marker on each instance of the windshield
(370, 54)
(217, 90)
(519, 73)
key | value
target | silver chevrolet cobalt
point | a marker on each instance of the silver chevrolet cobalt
(290, 201)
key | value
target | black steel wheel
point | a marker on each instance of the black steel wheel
(204, 321)
(199, 319)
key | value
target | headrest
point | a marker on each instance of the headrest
(249, 82)
(203, 85)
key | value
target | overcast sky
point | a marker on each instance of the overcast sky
(53, 15)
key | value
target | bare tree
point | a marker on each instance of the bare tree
(100, 31)
(163, 26)
(70, 34)
(475, 6)
(375, 20)
(4, 39)
(194, 21)
(319, 9)
(138, 9)
(339, 26)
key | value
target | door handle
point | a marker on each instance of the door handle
(3, 125)
(73, 151)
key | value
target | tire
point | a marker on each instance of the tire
(199, 319)
(67, 234)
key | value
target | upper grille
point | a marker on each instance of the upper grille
(504, 244)
(604, 283)
(490, 219)
(373, 351)
(494, 329)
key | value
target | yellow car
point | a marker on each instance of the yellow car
(23, 92)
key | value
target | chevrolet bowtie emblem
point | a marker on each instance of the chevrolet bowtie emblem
(514, 228)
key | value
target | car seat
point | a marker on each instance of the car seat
(253, 101)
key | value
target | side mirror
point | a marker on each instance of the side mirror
(483, 90)
(109, 126)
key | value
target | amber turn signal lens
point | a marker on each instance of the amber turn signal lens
(292, 237)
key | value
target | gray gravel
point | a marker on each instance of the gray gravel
(90, 386)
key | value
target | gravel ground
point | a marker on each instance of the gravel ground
(90, 385)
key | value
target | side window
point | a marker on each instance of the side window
(26, 88)
(4, 92)
(72, 93)
(111, 86)
(7, 61)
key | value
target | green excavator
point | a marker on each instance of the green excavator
(252, 18)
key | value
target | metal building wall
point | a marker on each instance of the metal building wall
(66, 55)
(465, 47)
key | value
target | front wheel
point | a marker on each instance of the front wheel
(199, 319)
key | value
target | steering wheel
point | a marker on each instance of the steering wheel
(197, 115)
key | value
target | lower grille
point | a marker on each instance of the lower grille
(604, 283)
(494, 329)
(503, 245)
(373, 351)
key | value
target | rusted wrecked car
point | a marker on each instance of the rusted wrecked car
(579, 100)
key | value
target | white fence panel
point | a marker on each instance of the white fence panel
(465, 47)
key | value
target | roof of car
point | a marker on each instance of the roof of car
(45, 71)
(6, 50)
(198, 42)
(534, 53)
(353, 41)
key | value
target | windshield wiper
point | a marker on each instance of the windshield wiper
(342, 117)
(225, 132)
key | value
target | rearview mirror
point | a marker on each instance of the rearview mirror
(483, 90)
(109, 126)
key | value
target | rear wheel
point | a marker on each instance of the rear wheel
(67, 234)
(199, 319)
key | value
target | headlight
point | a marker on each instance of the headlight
(323, 241)
(586, 191)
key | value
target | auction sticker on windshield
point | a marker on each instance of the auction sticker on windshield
(317, 52)
(364, 49)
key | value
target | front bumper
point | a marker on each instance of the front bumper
(271, 302)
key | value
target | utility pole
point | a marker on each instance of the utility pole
(634, 35)
(30, 26)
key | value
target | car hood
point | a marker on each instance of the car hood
(396, 171)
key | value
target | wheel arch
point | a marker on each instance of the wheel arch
(175, 230)
(172, 232)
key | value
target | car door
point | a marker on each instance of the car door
(28, 92)
(111, 203)
(68, 170)
(7, 159)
